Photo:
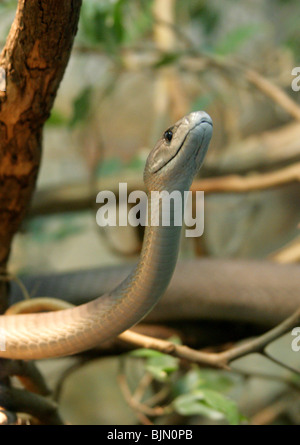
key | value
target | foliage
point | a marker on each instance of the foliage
(204, 14)
(101, 22)
(235, 39)
(161, 366)
(203, 392)
(50, 229)
(111, 166)
(56, 119)
(197, 392)
(81, 106)
(111, 24)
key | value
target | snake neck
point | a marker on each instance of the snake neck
(158, 256)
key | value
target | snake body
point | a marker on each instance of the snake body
(171, 165)
(255, 291)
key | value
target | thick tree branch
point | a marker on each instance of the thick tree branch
(20, 401)
(28, 374)
(34, 59)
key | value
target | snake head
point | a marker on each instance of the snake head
(179, 153)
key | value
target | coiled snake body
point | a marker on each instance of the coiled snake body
(170, 166)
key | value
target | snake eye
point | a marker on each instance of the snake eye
(168, 134)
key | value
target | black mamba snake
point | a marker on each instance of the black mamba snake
(171, 165)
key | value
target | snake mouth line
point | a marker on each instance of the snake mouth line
(206, 122)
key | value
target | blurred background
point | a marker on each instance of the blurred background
(137, 66)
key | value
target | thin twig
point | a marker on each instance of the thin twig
(158, 397)
(143, 419)
(144, 383)
(217, 360)
(138, 406)
(6, 276)
(270, 413)
(274, 92)
(280, 363)
(267, 376)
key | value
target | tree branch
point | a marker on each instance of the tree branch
(216, 360)
(240, 184)
(34, 59)
(18, 400)
(273, 91)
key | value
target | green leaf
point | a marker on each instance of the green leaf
(102, 22)
(141, 20)
(199, 378)
(81, 106)
(159, 374)
(160, 365)
(222, 404)
(93, 21)
(164, 362)
(210, 403)
(118, 26)
(145, 353)
(192, 405)
(161, 368)
(215, 380)
(234, 39)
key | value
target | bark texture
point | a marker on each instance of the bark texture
(34, 58)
